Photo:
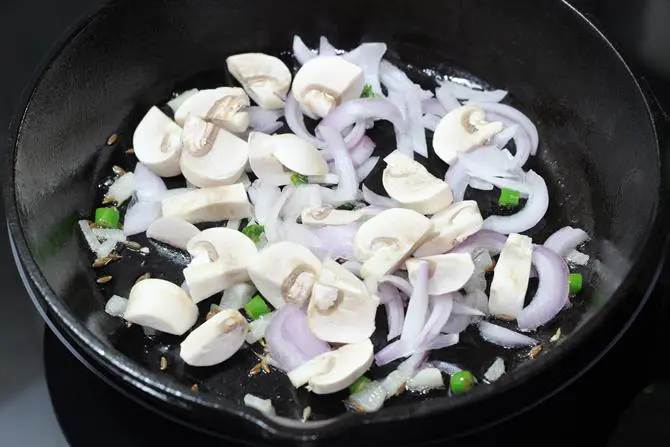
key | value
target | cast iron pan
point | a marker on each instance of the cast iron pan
(598, 153)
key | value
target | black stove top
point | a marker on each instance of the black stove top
(49, 398)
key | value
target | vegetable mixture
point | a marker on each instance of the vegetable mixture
(299, 254)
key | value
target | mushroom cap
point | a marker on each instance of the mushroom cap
(298, 155)
(341, 310)
(277, 266)
(223, 164)
(462, 129)
(171, 231)
(157, 143)
(265, 78)
(410, 183)
(230, 253)
(323, 83)
(222, 106)
(448, 273)
(161, 305)
(510, 277)
(209, 204)
(387, 239)
(262, 161)
(451, 227)
(334, 371)
(215, 340)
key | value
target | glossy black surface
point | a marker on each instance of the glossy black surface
(110, 75)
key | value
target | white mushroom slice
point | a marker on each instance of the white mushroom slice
(215, 340)
(223, 107)
(333, 371)
(341, 310)
(408, 182)
(171, 231)
(327, 215)
(220, 157)
(209, 204)
(387, 239)
(230, 253)
(510, 277)
(323, 83)
(285, 272)
(122, 189)
(265, 78)
(451, 227)
(263, 163)
(175, 103)
(161, 305)
(425, 380)
(298, 155)
(448, 273)
(157, 143)
(463, 129)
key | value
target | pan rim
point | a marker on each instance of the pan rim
(148, 382)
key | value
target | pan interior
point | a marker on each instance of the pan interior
(597, 150)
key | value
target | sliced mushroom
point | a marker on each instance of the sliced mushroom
(209, 204)
(298, 155)
(171, 231)
(387, 239)
(263, 163)
(463, 129)
(215, 340)
(224, 107)
(327, 215)
(451, 227)
(341, 310)
(285, 272)
(510, 277)
(230, 253)
(448, 273)
(214, 157)
(265, 78)
(161, 305)
(157, 143)
(323, 83)
(413, 186)
(333, 371)
(175, 103)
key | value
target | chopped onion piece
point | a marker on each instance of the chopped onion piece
(496, 370)
(401, 284)
(457, 178)
(237, 296)
(326, 48)
(105, 234)
(262, 405)
(140, 216)
(301, 52)
(395, 311)
(272, 220)
(375, 199)
(430, 122)
(417, 310)
(577, 258)
(258, 327)
(122, 188)
(457, 323)
(368, 57)
(565, 240)
(433, 107)
(368, 400)
(504, 337)
(416, 129)
(149, 187)
(89, 236)
(517, 117)
(443, 341)
(362, 151)
(366, 168)
(263, 120)
(347, 189)
(425, 380)
(446, 367)
(446, 97)
(480, 184)
(116, 306)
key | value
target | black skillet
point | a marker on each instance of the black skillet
(599, 154)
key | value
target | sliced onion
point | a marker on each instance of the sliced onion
(486, 239)
(457, 178)
(478, 300)
(417, 310)
(496, 370)
(149, 186)
(362, 151)
(368, 56)
(368, 400)
(264, 196)
(446, 367)
(446, 97)
(530, 215)
(303, 197)
(366, 168)
(456, 324)
(430, 121)
(326, 48)
(262, 405)
(258, 328)
(89, 236)
(433, 106)
(272, 221)
(140, 216)
(443, 341)
(354, 267)
(394, 78)
(504, 337)
(503, 138)
(360, 110)
(441, 307)
(400, 283)
(489, 161)
(290, 341)
(116, 306)
(416, 129)
(577, 258)
(464, 309)
(552, 290)
(395, 311)
(490, 96)
(301, 235)
(347, 189)
(565, 240)
(517, 117)
(106, 234)
(301, 52)
(480, 184)
(266, 121)
(296, 121)
(338, 240)
(459, 90)
(375, 199)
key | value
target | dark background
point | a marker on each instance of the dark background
(640, 28)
